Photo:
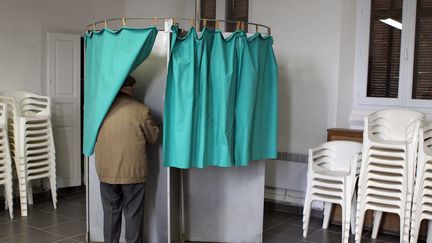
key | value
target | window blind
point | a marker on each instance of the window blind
(208, 11)
(236, 10)
(384, 49)
(422, 74)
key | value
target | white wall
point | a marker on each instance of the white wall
(314, 47)
(346, 63)
(307, 48)
(160, 8)
(23, 27)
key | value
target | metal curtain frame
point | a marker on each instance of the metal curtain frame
(196, 22)
(168, 22)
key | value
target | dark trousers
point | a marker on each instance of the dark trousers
(128, 198)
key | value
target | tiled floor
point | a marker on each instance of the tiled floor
(284, 227)
(67, 224)
(44, 224)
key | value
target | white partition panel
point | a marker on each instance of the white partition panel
(225, 204)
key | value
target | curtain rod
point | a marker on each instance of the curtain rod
(193, 22)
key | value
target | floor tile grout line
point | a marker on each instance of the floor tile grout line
(70, 221)
(311, 234)
(35, 229)
(302, 225)
(21, 233)
(55, 213)
(305, 241)
(41, 211)
(280, 223)
(76, 204)
(41, 228)
(63, 240)
(66, 239)
(6, 222)
(72, 237)
(54, 233)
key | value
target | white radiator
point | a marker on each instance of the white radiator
(286, 182)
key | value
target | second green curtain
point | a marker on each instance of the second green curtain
(221, 100)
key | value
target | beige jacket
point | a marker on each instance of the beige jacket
(121, 144)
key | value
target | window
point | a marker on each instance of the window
(236, 10)
(422, 75)
(384, 49)
(394, 54)
(208, 11)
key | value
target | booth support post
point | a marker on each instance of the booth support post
(86, 181)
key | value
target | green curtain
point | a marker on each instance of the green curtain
(109, 57)
(221, 100)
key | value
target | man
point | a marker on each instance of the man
(121, 163)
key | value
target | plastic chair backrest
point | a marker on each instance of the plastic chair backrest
(391, 124)
(425, 142)
(3, 116)
(336, 155)
(29, 104)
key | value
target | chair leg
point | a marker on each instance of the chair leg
(9, 198)
(53, 186)
(359, 220)
(306, 217)
(30, 193)
(23, 196)
(6, 201)
(376, 223)
(353, 212)
(401, 228)
(407, 219)
(346, 214)
(327, 213)
(415, 228)
(306, 213)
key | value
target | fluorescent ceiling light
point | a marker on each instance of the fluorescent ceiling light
(392, 22)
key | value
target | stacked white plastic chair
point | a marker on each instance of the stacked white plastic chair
(34, 151)
(422, 200)
(387, 171)
(12, 124)
(5, 160)
(332, 173)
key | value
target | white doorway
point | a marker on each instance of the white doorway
(64, 87)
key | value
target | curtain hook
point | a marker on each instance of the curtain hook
(174, 21)
(124, 21)
(94, 26)
(155, 20)
(243, 25)
(204, 23)
(105, 23)
(256, 28)
(217, 24)
(238, 25)
(191, 22)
